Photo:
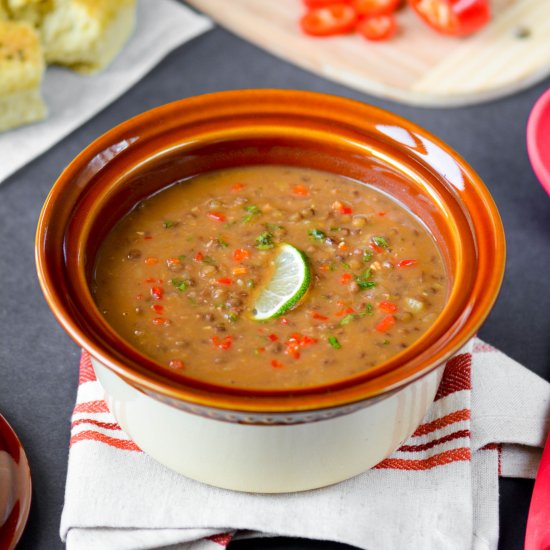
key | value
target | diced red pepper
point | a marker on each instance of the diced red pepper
(147, 237)
(199, 257)
(224, 281)
(342, 208)
(388, 307)
(345, 311)
(151, 260)
(237, 187)
(222, 343)
(176, 364)
(300, 190)
(376, 248)
(218, 216)
(273, 337)
(157, 292)
(318, 316)
(161, 322)
(406, 263)
(386, 323)
(276, 364)
(157, 308)
(346, 278)
(284, 321)
(241, 254)
(173, 262)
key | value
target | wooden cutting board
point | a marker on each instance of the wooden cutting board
(418, 66)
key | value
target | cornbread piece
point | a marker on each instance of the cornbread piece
(86, 34)
(21, 70)
(30, 11)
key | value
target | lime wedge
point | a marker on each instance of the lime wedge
(287, 287)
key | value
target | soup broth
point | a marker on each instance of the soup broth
(179, 277)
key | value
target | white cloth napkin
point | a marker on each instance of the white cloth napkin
(438, 491)
(72, 99)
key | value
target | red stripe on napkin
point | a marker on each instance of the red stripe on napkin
(456, 376)
(87, 373)
(438, 423)
(105, 425)
(445, 439)
(91, 407)
(446, 457)
(92, 435)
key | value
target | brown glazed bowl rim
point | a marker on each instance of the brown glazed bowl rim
(467, 308)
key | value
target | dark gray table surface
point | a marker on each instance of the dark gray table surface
(38, 362)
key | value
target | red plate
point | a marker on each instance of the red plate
(15, 487)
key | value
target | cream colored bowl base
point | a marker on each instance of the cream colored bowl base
(268, 459)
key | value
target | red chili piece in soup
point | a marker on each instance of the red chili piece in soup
(180, 276)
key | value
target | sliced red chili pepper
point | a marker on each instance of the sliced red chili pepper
(223, 343)
(161, 322)
(318, 316)
(199, 257)
(157, 308)
(406, 263)
(176, 364)
(388, 307)
(157, 293)
(273, 337)
(300, 190)
(241, 254)
(379, 27)
(224, 281)
(323, 3)
(333, 19)
(454, 17)
(346, 278)
(386, 323)
(371, 8)
(276, 364)
(218, 216)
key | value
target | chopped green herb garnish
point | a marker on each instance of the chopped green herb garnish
(222, 243)
(180, 284)
(363, 281)
(367, 256)
(253, 211)
(209, 260)
(332, 266)
(317, 234)
(167, 224)
(250, 283)
(333, 341)
(232, 317)
(265, 241)
(335, 228)
(385, 342)
(381, 242)
(368, 310)
(273, 227)
(347, 319)
(346, 265)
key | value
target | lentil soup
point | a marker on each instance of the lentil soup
(179, 277)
